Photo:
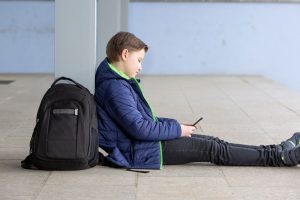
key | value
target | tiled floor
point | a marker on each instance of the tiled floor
(240, 109)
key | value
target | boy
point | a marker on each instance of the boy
(134, 137)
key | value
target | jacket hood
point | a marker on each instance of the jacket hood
(104, 72)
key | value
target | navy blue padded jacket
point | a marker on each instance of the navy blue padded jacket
(128, 129)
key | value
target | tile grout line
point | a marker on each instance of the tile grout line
(43, 185)
(220, 168)
(243, 111)
(136, 185)
(15, 96)
(267, 94)
(226, 180)
(23, 89)
(188, 102)
(15, 128)
(191, 108)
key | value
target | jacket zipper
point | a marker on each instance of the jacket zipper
(155, 120)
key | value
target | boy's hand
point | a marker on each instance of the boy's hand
(187, 130)
(197, 126)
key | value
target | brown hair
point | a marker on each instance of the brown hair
(123, 40)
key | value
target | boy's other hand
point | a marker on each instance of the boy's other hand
(187, 130)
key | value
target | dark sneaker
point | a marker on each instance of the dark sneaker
(291, 157)
(297, 153)
(291, 142)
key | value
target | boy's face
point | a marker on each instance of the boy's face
(133, 62)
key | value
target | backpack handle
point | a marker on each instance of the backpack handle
(69, 79)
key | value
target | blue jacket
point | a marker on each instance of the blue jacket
(128, 129)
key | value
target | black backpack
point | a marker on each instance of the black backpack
(65, 136)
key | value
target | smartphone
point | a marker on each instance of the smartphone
(198, 121)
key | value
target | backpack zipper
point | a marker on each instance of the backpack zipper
(69, 111)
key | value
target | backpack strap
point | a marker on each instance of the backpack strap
(28, 163)
(68, 79)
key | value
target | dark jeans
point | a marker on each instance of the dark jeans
(202, 148)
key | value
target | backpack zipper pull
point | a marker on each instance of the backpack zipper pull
(76, 111)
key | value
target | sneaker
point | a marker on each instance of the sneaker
(291, 142)
(291, 157)
(297, 153)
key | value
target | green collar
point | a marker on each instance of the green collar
(118, 71)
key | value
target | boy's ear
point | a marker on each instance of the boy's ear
(124, 54)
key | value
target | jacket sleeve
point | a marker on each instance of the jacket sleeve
(122, 108)
(163, 119)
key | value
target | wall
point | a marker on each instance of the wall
(220, 38)
(188, 38)
(26, 36)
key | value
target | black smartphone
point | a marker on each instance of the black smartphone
(198, 121)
